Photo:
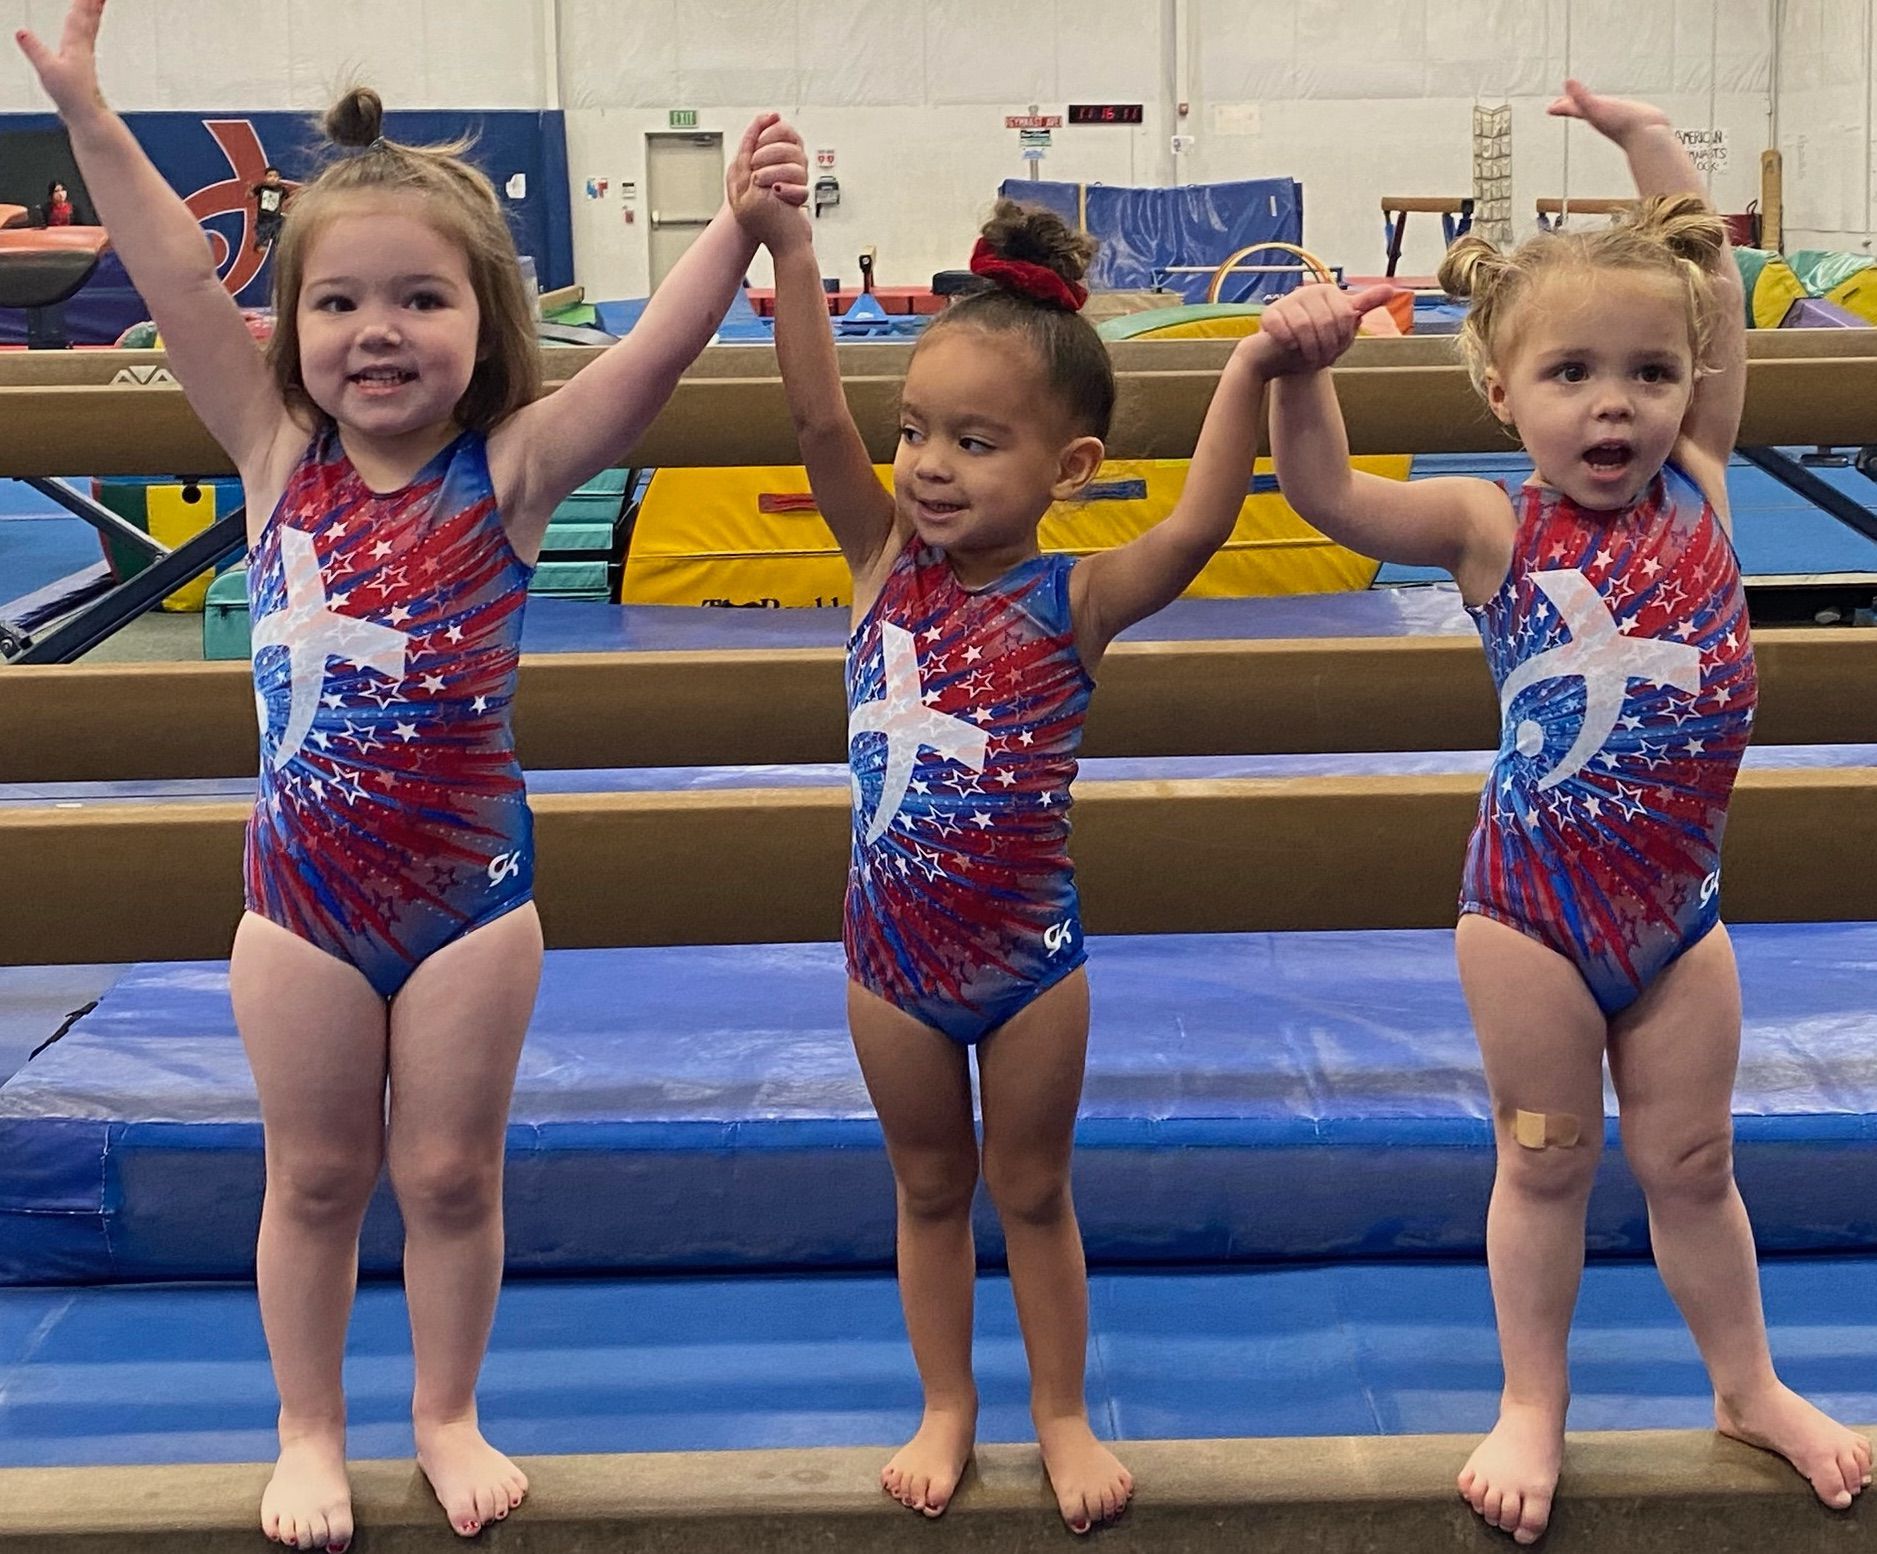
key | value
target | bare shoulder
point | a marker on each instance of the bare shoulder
(506, 448)
(1488, 527)
(264, 477)
(870, 577)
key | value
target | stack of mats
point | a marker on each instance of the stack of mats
(1286, 1096)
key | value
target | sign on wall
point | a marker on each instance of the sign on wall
(1707, 148)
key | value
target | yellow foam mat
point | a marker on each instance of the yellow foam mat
(174, 521)
(702, 536)
(1775, 290)
(1857, 295)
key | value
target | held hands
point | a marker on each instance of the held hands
(767, 184)
(69, 75)
(1307, 329)
(1616, 118)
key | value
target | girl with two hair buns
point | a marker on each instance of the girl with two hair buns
(1607, 593)
(969, 671)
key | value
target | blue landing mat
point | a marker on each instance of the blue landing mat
(1779, 534)
(574, 626)
(42, 548)
(691, 779)
(179, 1373)
(1292, 1096)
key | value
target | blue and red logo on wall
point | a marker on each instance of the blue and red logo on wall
(213, 163)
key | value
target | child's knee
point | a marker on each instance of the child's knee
(447, 1188)
(1697, 1167)
(937, 1188)
(1549, 1154)
(1027, 1192)
(321, 1190)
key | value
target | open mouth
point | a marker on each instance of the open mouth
(939, 510)
(1609, 458)
(382, 379)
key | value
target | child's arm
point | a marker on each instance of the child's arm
(1115, 588)
(1660, 165)
(1440, 522)
(547, 449)
(210, 350)
(855, 506)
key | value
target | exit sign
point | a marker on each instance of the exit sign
(683, 118)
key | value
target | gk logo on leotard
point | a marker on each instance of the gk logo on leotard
(1604, 658)
(900, 713)
(1710, 888)
(1058, 934)
(504, 866)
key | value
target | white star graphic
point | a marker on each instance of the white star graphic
(311, 633)
(1605, 659)
(900, 714)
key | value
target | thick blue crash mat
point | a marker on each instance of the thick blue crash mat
(1257, 1096)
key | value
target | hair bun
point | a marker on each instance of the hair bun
(1684, 224)
(1471, 266)
(356, 119)
(1028, 234)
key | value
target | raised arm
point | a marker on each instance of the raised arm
(856, 507)
(1443, 522)
(1660, 164)
(166, 252)
(549, 448)
(1130, 582)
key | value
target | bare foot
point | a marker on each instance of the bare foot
(473, 1481)
(1513, 1473)
(925, 1471)
(1837, 1461)
(308, 1502)
(1090, 1483)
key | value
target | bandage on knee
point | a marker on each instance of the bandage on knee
(1545, 1130)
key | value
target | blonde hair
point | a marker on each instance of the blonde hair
(1675, 236)
(461, 204)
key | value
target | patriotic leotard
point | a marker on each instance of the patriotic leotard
(392, 817)
(965, 711)
(1619, 644)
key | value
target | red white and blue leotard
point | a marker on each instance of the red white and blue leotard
(1626, 680)
(392, 818)
(965, 712)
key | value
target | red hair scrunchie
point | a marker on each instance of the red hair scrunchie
(1028, 279)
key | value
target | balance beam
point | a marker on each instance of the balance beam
(718, 421)
(888, 358)
(162, 881)
(1641, 1491)
(127, 722)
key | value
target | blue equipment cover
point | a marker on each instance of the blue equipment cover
(583, 626)
(1259, 1096)
(178, 1373)
(215, 161)
(1148, 233)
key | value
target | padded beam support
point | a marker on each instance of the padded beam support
(1641, 1491)
(118, 882)
(123, 722)
(744, 420)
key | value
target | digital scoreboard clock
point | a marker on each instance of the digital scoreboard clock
(1104, 113)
